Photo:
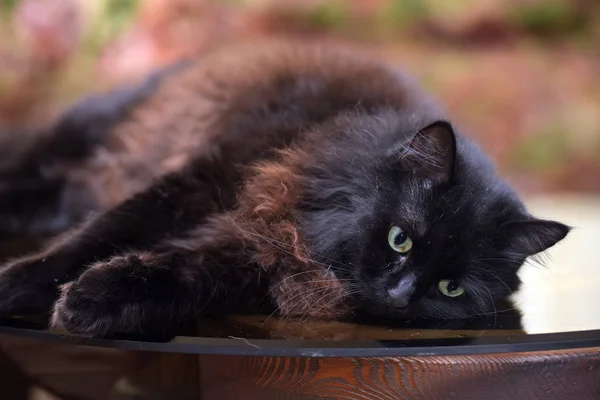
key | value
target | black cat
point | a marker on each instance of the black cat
(307, 178)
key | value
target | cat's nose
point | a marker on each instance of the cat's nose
(401, 293)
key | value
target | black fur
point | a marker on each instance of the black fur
(468, 226)
(242, 226)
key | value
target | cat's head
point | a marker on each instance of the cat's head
(416, 221)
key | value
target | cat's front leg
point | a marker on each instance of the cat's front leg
(174, 203)
(128, 293)
(30, 285)
(144, 292)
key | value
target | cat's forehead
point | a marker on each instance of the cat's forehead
(414, 206)
(421, 209)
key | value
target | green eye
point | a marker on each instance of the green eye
(399, 240)
(450, 288)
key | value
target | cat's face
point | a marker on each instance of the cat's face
(442, 253)
(436, 235)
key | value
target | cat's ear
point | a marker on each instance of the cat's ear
(433, 152)
(532, 236)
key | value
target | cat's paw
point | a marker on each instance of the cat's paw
(108, 297)
(27, 286)
(77, 311)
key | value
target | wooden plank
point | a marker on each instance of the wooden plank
(14, 383)
(79, 371)
(95, 373)
(160, 376)
(540, 375)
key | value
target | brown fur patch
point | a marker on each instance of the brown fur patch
(300, 285)
(311, 293)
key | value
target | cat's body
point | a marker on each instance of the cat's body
(269, 175)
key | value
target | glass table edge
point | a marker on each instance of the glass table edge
(329, 348)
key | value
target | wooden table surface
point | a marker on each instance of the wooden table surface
(88, 372)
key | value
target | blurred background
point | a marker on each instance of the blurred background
(522, 76)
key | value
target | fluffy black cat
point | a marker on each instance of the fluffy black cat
(305, 178)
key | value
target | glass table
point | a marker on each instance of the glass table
(547, 347)
(260, 357)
